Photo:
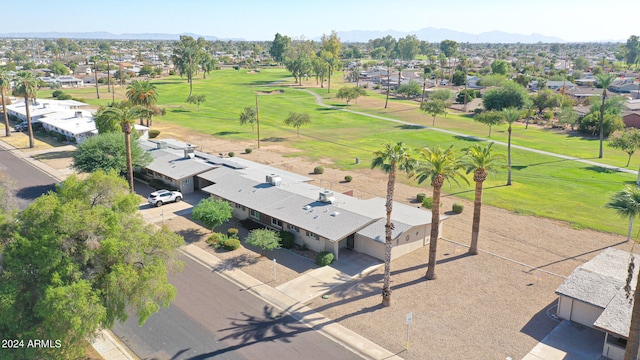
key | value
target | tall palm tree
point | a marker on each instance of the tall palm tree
(510, 116)
(480, 161)
(27, 87)
(388, 63)
(126, 117)
(439, 166)
(5, 84)
(390, 159)
(627, 204)
(143, 93)
(604, 80)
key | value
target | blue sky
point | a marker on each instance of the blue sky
(571, 20)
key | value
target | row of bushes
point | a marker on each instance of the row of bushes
(427, 202)
(228, 241)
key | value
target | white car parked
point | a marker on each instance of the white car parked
(161, 197)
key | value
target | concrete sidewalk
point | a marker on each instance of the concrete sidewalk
(336, 332)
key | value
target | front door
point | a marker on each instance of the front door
(350, 242)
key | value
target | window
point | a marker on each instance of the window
(293, 228)
(254, 214)
(276, 222)
(312, 235)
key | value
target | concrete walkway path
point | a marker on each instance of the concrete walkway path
(569, 341)
(320, 281)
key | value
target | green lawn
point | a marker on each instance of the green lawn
(543, 185)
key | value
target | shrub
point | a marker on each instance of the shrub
(248, 150)
(153, 133)
(420, 197)
(324, 258)
(232, 233)
(61, 138)
(231, 154)
(286, 239)
(231, 244)
(172, 72)
(318, 170)
(64, 97)
(427, 202)
(348, 178)
(216, 239)
(457, 208)
(57, 93)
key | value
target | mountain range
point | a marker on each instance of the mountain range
(429, 34)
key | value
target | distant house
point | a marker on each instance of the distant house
(62, 81)
(594, 296)
(624, 86)
(631, 119)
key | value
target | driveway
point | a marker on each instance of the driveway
(569, 341)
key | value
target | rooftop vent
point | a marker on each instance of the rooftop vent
(161, 145)
(274, 179)
(335, 213)
(306, 207)
(79, 114)
(189, 153)
(326, 196)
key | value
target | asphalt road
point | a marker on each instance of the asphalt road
(30, 182)
(213, 318)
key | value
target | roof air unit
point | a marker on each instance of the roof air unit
(326, 196)
(274, 179)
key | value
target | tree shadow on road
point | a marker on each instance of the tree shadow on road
(236, 262)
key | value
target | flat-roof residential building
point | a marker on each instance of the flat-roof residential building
(319, 218)
(594, 296)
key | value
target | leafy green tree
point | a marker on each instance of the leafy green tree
(510, 94)
(469, 93)
(511, 115)
(633, 50)
(26, 85)
(581, 63)
(545, 99)
(408, 47)
(5, 85)
(58, 68)
(481, 161)
(500, 67)
(279, 47)
(298, 59)
(459, 78)
(349, 93)
(449, 48)
(444, 95)
(411, 90)
(590, 124)
(212, 212)
(378, 53)
(125, 117)
(320, 68)
(391, 159)
(627, 140)
(297, 120)
(186, 57)
(433, 108)
(626, 203)
(489, 118)
(145, 94)
(604, 80)
(264, 239)
(197, 100)
(79, 259)
(438, 166)
(108, 152)
(248, 116)
(568, 116)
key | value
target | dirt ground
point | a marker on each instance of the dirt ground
(488, 306)
(491, 306)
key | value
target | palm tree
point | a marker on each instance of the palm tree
(388, 63)
(438, 166)
(27, 86)
(5, 84)
(392, 158)
(627, 204)
(605, 80)
(481, 161)
(143, 93)
(510, 116)
(126, 117)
